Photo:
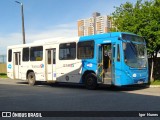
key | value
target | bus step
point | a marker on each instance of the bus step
(107, 81)
(107, 75)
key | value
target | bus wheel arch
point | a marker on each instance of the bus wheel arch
(31, 77)
(90, 80)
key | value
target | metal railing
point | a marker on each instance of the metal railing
(2, 58)
(3, 66)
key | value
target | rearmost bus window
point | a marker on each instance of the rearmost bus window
(36, 53)
(9, 55)
(85, 50)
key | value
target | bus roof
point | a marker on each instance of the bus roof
(104, 35)
(73, 39)
(46, 41)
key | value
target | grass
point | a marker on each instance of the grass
(3, 75)
(156, 82)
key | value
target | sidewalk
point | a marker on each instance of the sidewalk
(154, 86)
(9, 81)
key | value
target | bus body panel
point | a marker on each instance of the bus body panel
(69, 71)
(53, 68)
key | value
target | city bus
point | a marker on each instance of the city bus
(115, 58)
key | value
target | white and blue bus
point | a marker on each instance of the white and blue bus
(116, 58)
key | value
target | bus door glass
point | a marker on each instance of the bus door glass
(17, 63)
(107, 63)
(51, 64)
(99, 63)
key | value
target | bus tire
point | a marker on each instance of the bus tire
(31, 79)
(91, 81)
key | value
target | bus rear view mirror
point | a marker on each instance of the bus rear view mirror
(124, 46)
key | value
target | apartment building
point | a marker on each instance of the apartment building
(94, 25)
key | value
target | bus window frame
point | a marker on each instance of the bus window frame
(63, 46)
(36, 58)
(24, 54)
(10, 55)
(84, 46)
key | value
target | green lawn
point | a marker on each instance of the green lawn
(156, 82)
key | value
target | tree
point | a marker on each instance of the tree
(142, 18)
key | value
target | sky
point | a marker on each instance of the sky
(47, 19)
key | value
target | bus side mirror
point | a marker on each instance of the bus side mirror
(119, 38)
(124, 46)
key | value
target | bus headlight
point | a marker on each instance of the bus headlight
(134, 75)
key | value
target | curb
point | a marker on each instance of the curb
(154, 86)
(150, 86)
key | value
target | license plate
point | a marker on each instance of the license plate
(140, 82)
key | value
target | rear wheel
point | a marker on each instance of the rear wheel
(31, 79)
(91, 81)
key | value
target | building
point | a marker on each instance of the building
(95, 25)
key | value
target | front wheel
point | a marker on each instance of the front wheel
(31, 79)
(91, 81)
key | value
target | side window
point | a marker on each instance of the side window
(25, 56)
(118, 53)
(85, 50)
(67, 51)
(9, 55)
(36, 53)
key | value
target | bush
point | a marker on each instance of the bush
(3, 74)
(156, 82)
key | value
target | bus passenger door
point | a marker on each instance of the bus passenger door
(51, 64)
(99, 64)
(107, 63)
(17, 63)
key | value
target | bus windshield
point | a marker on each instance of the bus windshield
(135, 54)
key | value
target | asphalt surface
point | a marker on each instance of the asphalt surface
(16, 95)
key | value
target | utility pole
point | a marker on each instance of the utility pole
(22, 14)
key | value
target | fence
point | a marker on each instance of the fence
(3, 67)
(2, 58)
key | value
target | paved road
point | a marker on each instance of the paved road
(18, 96)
